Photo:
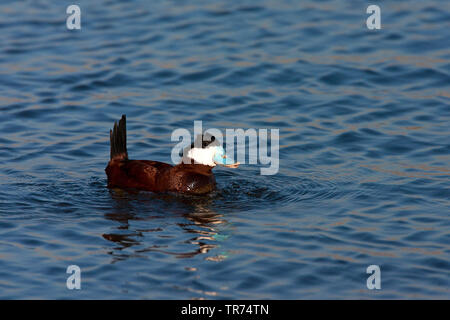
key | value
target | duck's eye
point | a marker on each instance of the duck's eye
(207, 140)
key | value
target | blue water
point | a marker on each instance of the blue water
(364, 118)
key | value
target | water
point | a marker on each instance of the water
(364, 149)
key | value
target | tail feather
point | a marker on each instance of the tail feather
(118, 138)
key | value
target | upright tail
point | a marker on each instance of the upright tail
(118, 138)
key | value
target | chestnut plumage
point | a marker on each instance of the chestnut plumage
(154, 176)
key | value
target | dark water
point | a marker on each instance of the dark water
(364, 121)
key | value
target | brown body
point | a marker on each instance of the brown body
(153, 176)
(160, 177)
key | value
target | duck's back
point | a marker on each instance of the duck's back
(159, 176)
(138, 174)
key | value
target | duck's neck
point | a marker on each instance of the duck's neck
(197, 167)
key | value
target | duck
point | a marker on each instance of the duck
(193, 175)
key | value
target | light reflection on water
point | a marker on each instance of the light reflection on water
(201, 225)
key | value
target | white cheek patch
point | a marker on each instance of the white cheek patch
(201, 156)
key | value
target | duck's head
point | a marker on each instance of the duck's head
(208, 152)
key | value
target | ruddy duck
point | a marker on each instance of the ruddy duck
(193, 175)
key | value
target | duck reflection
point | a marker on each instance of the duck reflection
(137, 208)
